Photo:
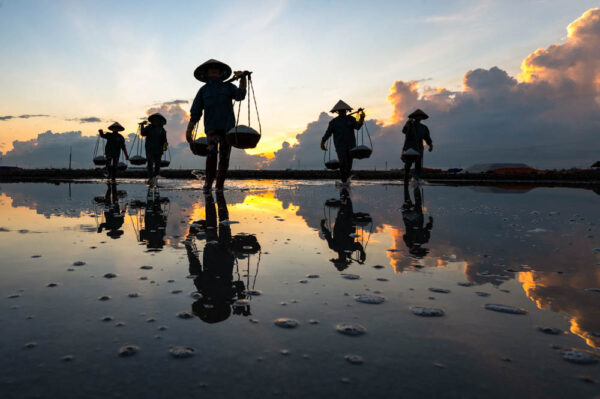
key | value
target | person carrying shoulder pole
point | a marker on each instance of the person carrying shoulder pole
(156, 143)
(115, 142)
(214, 99)
(412, 151)
(342, 128)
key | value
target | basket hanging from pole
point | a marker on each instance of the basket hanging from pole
(99, 160)
(244, 136)
(362, 151)
(330, 163)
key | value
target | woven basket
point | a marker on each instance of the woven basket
(137, 160)
(121, 166)
(243, 137)
(200, 146)
(164, 163)
(332, 164)
(100, 160)
(361, 152)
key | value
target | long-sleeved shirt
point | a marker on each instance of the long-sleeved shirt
(214, 99)
(342, 127)
(114, 144)
(156, 137)
(415, 133)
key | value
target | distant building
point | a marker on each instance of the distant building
(596, 165)
(501, 168)
(10, 168)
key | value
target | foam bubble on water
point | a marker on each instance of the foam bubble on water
(52, 285)
(67, 358)
(369, 299)
(120, 324)
(313, 321)
(196, 295)
(349, 329)
(348, 276)
(128, 350)
(182, 352)
(110, 275)
(12, 296)
(104, 298)
(426, 312)
(133, 295)
(150, 320)
(354, 359)
(30, 345)
(312, 276)
(439, 290)
(286, 322)
(107, 318)
(463, 284)
(378, 267)
(482, 294)
(185, 315)
(162, 328)
(505, 309)
(579, 357)
(284, 352)
(241, 303)
(303, 281)
(550, 330)
(593, 289)
(253, 321)
(175, 291)
(253, 292)
(145, 267)
(79, 263)
(382, 279)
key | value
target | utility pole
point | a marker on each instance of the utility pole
(70, 157)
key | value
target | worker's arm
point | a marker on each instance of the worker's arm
(427, 137)
(101, 133)
(124, 148)
(239, 93)
(406, 127)
(144, 129)
(165, 142)
(326, 136)
(361, 120)
(195, 115)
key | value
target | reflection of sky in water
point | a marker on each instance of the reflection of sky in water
(531, 248)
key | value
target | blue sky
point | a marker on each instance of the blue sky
(114, 59)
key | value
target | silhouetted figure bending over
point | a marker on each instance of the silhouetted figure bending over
(342, 240)
(115, 142)
(215, 100)
(412, 152)
(156, 143)
(342, 128)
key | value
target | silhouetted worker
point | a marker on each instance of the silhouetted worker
(342, 127)
(113, 216)
(412, 151)
(156, 144)
(215, 280)
(155, 221)
(415, 232)
(115, 142)
(342, 240)
(214, 99)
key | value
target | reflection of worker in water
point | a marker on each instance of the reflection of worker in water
(155, 221)
(343, 240)
(415, 232)
(214, 279)
(113, 216)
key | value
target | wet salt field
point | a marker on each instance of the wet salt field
(279, 289)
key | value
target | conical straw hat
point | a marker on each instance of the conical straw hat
(418, 114)
(157, 118)
(116, 127)
(201, 72)
(341, 106)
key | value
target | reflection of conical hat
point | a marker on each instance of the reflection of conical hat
(116, 127)
(341, 106)
(157, 118)
(418, 114)
(201, 71)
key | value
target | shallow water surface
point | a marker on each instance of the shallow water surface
(282, 289)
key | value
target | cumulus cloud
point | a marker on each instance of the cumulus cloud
(24, 116)
(176, 102)
(548, 117)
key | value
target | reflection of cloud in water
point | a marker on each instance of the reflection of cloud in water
(566, 294)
